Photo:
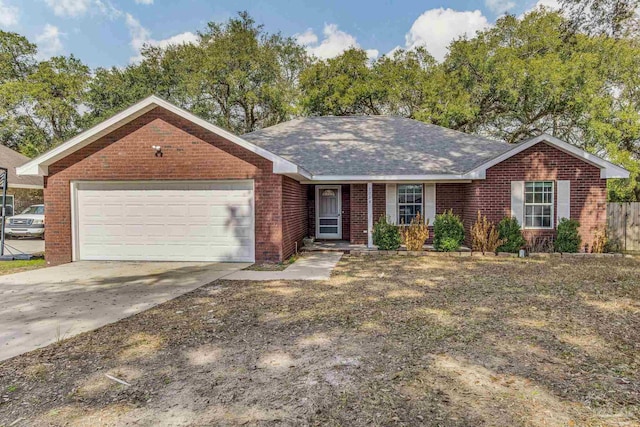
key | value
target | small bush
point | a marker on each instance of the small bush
(614, 245)
(538, 244)
(484, 236)
(448, 232)
(568, 239)
(600, 241)
(449, 244)
(509, 231)
(415, 234)
(385, 235)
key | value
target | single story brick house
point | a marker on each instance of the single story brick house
(155, 182)
(22, 191)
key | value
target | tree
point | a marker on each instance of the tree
(236, 76)
(616, 18)
(342, 86)
(527, 76)
(40, 102)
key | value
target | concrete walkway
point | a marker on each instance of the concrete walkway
(314, 266)
(42, 306)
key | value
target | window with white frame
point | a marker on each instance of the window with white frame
(409, 202)
(538, 204)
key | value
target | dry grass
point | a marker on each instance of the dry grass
(446, 341)
(273, 266)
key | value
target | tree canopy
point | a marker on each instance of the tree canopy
(573, 75)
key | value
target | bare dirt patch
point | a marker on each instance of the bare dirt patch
(446, 341)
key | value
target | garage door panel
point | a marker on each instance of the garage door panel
(156, 221)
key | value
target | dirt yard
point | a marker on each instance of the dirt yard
(442, 341)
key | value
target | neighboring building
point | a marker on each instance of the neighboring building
(22, 191)
(156, 182)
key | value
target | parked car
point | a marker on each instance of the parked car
(30, 223)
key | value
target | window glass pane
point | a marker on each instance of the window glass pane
(538, 204)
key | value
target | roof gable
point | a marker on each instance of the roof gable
(607, 169)
(39, 165)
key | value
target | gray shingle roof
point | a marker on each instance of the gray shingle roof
(11, 160)
(375, 145)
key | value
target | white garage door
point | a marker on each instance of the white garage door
(164, 221)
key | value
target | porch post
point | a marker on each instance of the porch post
(369, 214)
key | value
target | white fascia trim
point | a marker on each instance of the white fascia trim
(607, 169)
(39, 165)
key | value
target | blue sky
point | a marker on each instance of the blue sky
(111, 32)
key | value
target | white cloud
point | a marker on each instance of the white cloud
(307, 38)
(49, 43)
(140, 36)
(144, 1)
(335, 42)
(108, 9)
(499, 7)
(435, 29)
(8, 15)
(372, 53)
(69, 7)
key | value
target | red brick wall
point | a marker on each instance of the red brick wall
(346, 211)
(359, 210)
(294, 215)
(358, 204)
(190, 152)
(492, 196)
(450, 196)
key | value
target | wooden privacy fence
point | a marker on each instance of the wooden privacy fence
(623, 221)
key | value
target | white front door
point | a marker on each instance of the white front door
(328, 212)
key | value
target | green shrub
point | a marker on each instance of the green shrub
(568, 238)
(385, 235)
(448, 232)
(509, 231)
(449, 244)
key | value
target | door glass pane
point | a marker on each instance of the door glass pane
(329, 230)
(329, 221)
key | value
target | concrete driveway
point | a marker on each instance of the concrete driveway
(27, 246)
(42, 306)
